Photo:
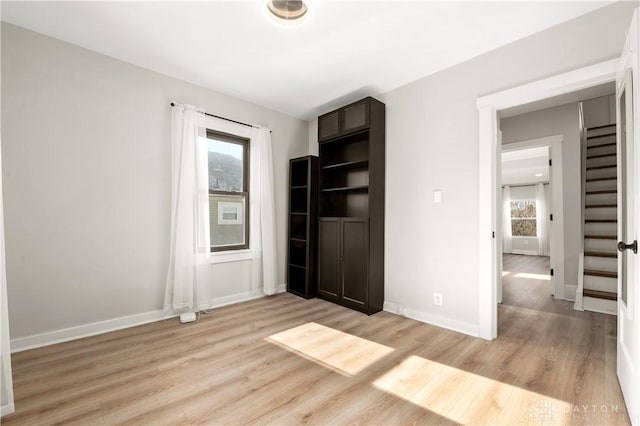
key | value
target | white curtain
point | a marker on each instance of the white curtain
(541, 219)
(507, 246)
(189, 275)
(262, 227)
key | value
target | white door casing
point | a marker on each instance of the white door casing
(499, 218)
(628, 143)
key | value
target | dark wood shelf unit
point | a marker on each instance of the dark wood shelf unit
(301, 245)
(351, 205)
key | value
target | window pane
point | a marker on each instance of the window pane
(225, 166)
(227, 219)
(523, 208)
(524, 228)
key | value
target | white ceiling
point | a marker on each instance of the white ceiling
(345, 50)
(522, 166)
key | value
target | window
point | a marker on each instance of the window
(523, 218)
(228, 191)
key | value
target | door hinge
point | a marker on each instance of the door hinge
(550, 162)
(551, 272)
(493, 234)
(551, 217)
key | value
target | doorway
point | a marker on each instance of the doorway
(490, 207)
(526, 195)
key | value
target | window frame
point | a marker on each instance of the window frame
(535, 219)
(244, 142)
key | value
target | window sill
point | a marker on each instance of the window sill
(230, 256)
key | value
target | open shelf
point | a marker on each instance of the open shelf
(347, 165)
(347, 188)
(297, 253)
(298, 199)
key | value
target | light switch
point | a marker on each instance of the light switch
(437, 196)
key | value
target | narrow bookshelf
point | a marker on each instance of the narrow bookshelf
(301, 246)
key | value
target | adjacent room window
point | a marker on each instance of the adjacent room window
(228, 191)
(523, 218)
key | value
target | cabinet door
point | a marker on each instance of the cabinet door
(329, 125)
(355, 261)
(355, 116)
(328, 255)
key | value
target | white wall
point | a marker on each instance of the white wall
(432, 143)
(6, 378)
(599, 111)
(561, 120)
(86, 142)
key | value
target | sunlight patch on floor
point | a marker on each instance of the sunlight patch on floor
(504, 273)
(341, 352)
(533, 276)
(462, 396)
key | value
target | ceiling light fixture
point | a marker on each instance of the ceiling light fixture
(538, 174)
(288, 12)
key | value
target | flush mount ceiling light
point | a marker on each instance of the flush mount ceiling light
(288, 12)
(538, 174)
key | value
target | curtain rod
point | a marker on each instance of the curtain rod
(227, 119)
(525, 184)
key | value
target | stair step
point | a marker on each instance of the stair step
(602, 167)
(602, 237)
(601, 221)
(608, 191)
(607, 274)
(600, 156)
(600, 254)
(601, 179)
(600, 294)
(601, 136)
(598, 206)
(601, 127)
(598, 140)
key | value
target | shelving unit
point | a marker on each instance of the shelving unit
(351, 205)
(301, 250)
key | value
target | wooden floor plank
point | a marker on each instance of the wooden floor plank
(288, 361)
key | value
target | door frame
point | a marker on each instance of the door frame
(488, 107)
(556, 231)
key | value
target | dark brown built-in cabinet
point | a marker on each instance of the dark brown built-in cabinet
(302, 243)
(351, 205)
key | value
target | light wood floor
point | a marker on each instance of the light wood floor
(522, 286)
(286, 360)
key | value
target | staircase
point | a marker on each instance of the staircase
(598, 283)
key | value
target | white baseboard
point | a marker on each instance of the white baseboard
(433, 319)
(72, 333)
(7, 409)
(281, 288)
(570, 292)
(526, 252)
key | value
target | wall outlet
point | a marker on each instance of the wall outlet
(437, 299)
